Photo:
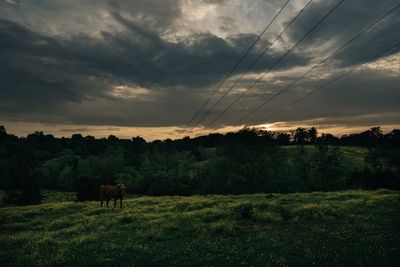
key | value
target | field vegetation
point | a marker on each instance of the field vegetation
(347, 228)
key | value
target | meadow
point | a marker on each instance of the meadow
(344, 228)
(353, 156)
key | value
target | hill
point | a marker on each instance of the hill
(352, 228)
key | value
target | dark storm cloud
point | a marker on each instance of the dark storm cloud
(198, 60)
(359, 93)
(59, 67)
(346, 22)
(67, 75)
(146, 12)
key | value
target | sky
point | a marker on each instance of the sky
(145, 67)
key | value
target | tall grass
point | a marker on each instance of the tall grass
(352, 228)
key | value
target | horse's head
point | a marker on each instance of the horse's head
(122, 187)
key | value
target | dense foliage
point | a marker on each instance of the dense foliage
(247, 161)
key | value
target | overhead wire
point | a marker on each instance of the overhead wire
(276, 63)
(252, 65)
(331, 56)
(332, 81)
(238, 63)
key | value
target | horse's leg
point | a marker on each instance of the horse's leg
(108, 200)
(101, 198)
(115, 202)
(120, 203)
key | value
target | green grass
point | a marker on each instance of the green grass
(49, 196)
(353, 156)
(352, 228)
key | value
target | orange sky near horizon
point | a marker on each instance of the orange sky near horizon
(172, 132)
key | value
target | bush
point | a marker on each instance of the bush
(25, 197)
(245, 211)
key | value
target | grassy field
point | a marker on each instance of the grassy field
(353, 156)
(352, 228)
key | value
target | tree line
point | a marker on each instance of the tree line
(250, 160)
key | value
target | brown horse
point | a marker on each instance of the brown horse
(108, 192)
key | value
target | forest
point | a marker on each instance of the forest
(248, 161)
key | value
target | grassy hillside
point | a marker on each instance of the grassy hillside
(352, 155)
(352, 228)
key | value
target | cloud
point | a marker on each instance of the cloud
(346, 22)
(83, 130)
(365, 91)
(12, 2)
(152, 64)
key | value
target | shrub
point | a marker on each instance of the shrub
(23, 197)
(245, 211)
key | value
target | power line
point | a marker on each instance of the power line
(276, 63)
(332, 81)
(252, 65)
(319, 64)
(238, 63)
